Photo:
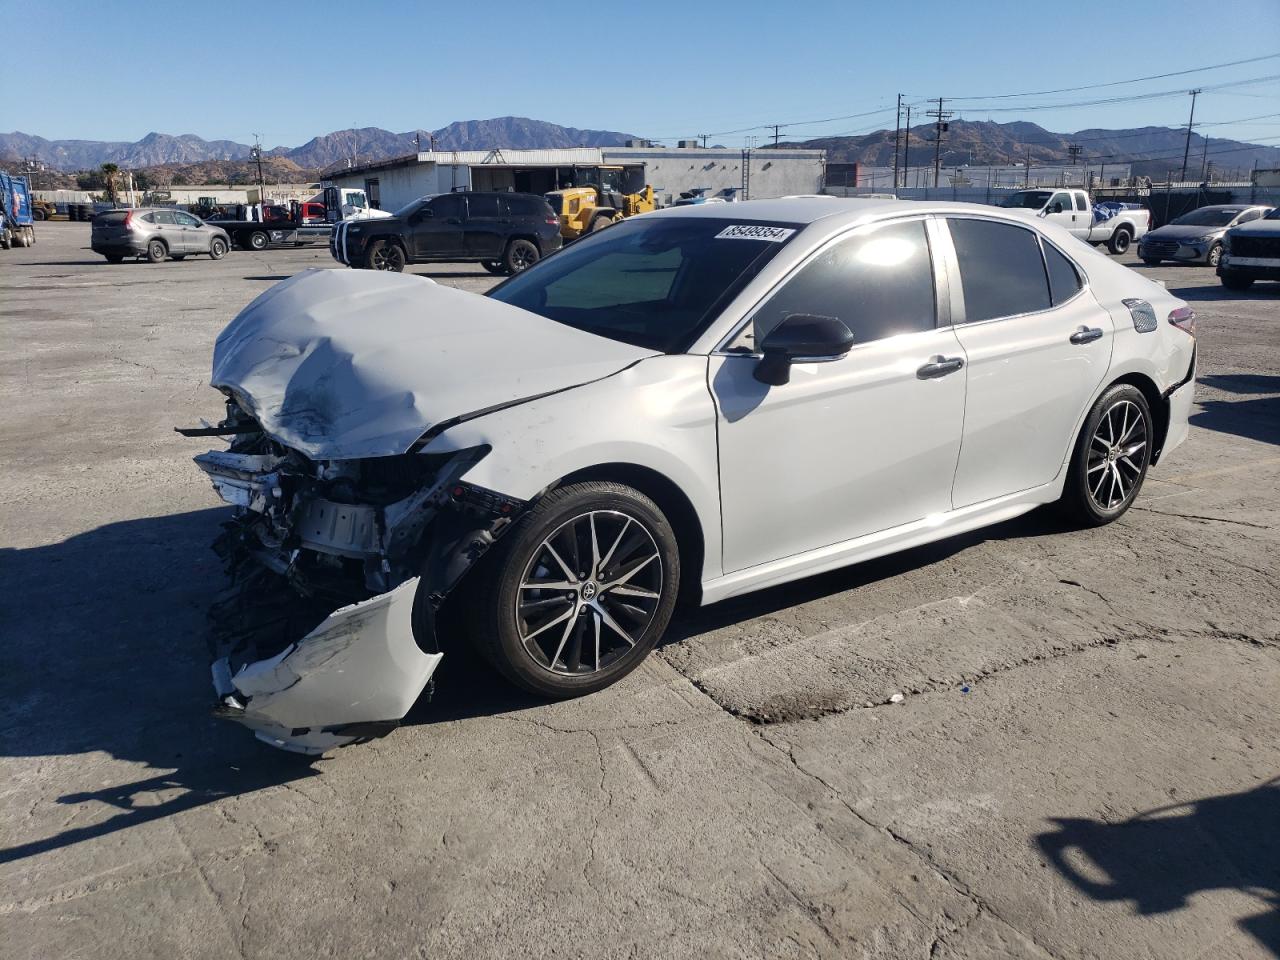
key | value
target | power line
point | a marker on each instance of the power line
(1156, 95)
(1117, 83)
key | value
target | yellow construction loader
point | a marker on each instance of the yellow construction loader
(598, 197)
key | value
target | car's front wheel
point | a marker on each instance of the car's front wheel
(577, 595)
(386, 256)
(1111, 457)
(217, 248)
(1234, 281)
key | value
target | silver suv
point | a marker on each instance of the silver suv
(156, 234)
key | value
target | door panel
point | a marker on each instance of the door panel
(850, 446)
(1067, 217)
(440, 235)
(170, 231)
(487, 225)
(847, 448)
(1029, 383)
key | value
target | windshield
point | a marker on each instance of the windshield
(410, 207)
(1273, 215)
(650, 282)
(1027, 199)
(1207, 217)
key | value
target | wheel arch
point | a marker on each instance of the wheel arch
(675, 506)
(1156, 401)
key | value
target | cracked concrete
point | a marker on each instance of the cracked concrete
(1082, 764)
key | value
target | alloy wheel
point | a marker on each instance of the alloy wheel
(1117, 455)
(589, 592)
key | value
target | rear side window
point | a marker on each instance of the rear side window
(1001, 269)
(484, 205)
(879, 282)
(1064, 281)
(1082, 201)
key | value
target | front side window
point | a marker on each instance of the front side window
(653, 282)
(450, 205)
(1001, 270)
(1061, 203)
(1248, 215)
(879, 283)
(166, 217)
(186, 219)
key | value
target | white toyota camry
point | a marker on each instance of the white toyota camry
(695, 403)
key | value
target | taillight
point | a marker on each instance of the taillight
(128, 219)
(1184, 318)
(554, 221)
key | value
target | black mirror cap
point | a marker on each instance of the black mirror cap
(800, 337)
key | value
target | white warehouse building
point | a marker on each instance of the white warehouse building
(390, 184)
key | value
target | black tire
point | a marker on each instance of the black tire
(179, 257)
(257, 240)
(114, 257)
(39, 214)
(217, 248)
(600, 222)
(1104, 478)
(1214, 257)
(386, 256)
(1233, 281)
(526, 645)
(495, 267)
(156, 251)
(1120, 240)
(520, 255)
(1151, 263)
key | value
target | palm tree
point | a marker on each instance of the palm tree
(110, 173)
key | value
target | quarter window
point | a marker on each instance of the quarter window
(1001, 269)
(1082, 201)
(1064, 281)
(879, 282)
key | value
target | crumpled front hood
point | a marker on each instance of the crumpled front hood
(344, 364)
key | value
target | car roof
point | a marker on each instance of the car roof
(807, 210)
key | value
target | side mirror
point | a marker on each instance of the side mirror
(1057, 208)
(800, 338)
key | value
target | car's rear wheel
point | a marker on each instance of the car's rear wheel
(577, 595)
(1111, 457)
(1119, 242)
(520, 255)
(258, 240)
(217, 248)
(495, 267)
(156, 251)
(386, 256)
(1233, 281)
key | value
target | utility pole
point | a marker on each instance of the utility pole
(897, 135)
(1026, 160)
(1074, 152)
(417, 141)
(775, 127)
(256, 153)
(906, 149)
(1187, 149)
(1204, 156)
(703, 137)
(940, 116)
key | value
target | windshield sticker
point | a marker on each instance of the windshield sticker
(747, 231)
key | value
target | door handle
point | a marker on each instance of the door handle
(1086, 335)
(939, 367)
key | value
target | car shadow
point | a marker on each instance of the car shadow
(1242, 382)
(1158, 860)
(1209, 292)
(104, 653)
(1257, 419)
(270, 276)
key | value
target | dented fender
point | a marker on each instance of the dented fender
(354, 676)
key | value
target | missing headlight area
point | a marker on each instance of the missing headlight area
(326, 633)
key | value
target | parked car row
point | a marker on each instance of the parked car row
(1196, 237)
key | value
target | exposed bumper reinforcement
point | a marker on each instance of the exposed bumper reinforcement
(351, 678)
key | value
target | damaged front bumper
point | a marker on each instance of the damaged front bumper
(338, 569)
(351, 678)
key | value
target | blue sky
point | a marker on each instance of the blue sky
(659, 69)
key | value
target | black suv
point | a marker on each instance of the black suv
(506, 232)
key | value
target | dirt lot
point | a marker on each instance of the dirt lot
(1084, 764)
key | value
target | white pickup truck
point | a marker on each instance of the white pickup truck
(1074, 210)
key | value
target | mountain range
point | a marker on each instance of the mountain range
(362, 144)
(1151, 151)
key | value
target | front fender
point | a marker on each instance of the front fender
(656, 414)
